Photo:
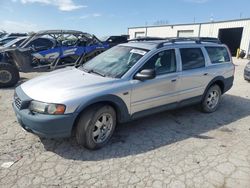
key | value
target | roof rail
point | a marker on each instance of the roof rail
(197, 40)
(146, 39)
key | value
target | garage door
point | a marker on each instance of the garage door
(186, 33)
(139, 34)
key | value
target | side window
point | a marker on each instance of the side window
(19, 42)
(42, 43)
(218, 54)
(163, 62)
(192, 58)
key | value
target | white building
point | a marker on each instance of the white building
(234, 33)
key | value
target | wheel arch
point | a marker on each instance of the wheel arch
(219, 80)
(6, 60)
(114, 101)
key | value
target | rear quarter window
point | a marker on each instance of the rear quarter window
(218, 54)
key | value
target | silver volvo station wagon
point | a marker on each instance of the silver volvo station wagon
(126, 82)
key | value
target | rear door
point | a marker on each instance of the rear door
(158, 91)
(194, 76)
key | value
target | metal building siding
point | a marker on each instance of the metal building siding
(132, 32)
(210, 29)
(171, 31)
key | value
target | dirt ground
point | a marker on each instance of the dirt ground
(181, 148)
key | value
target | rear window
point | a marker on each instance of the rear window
(218, 54)
(192, 58)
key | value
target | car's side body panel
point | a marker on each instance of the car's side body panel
(152, 93)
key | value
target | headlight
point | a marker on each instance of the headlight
(46, 108)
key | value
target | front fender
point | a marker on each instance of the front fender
(115, 101)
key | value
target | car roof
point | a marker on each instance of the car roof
(152, 44)
(148, 45)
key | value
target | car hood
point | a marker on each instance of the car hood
(64, 84)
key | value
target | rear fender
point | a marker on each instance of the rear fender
(227, 84)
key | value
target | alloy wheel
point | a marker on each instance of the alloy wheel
(102, 128)
(212, 99)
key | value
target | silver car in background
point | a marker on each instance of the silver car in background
(128, 81)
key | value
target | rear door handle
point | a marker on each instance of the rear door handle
(174, 80)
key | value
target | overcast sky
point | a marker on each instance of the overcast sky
(113, 17)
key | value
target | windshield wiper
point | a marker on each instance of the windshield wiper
(96, 72)
(82, 68)
(92, 71)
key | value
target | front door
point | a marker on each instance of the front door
(158, 91)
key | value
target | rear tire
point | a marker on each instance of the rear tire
(96, 126)
(9, 75)
(211, 100)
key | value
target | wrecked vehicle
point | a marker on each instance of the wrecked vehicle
(12, 44)
(2, 33)
(6, 38)
(48, 50)
(115, 40)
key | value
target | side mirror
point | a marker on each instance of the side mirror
(13, 46)
(145, 74)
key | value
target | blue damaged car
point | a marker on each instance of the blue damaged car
(48, 50)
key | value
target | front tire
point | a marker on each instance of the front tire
(211, 100)
(96, 126)
(9, 75)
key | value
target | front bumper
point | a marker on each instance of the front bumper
(49, 126)
(247, 74)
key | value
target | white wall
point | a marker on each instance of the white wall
(206, 30)
(212, 30)
(171, 31)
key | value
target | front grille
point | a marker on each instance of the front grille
(18, 102)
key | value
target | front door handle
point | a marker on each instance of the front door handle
(174, 80)
(205, 74)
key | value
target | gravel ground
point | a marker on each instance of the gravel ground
(182, 148)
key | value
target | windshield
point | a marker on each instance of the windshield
(115, 62)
